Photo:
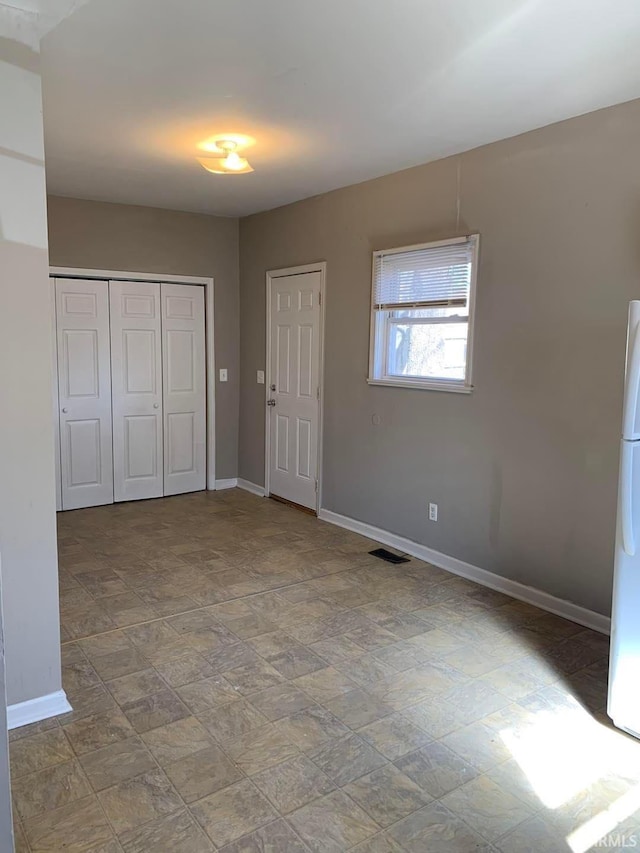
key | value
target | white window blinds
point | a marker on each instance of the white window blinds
(427, 276)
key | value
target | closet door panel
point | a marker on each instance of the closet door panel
(184, 388)
(136, 361)
(84, 392)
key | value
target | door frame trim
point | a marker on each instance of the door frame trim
(210, 356)
(321, 267)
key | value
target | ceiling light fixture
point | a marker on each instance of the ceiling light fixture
(229, 164)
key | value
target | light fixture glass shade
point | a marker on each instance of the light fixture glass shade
(232, 164)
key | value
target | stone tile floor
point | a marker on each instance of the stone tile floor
(247, 678)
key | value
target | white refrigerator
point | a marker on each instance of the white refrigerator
(624, 666)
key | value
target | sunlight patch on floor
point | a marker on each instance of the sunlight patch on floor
(605, 824)
(565, 751)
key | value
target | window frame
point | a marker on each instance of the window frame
(380, 325)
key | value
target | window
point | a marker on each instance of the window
(422, 315)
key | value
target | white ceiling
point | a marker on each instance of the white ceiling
(334, 91)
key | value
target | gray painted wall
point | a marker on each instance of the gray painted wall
(525, 468)
(96, 235)
(27, 478)
(6, 817)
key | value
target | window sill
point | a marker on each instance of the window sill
(452, 387)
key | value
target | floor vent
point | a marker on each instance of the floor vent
(388, 556)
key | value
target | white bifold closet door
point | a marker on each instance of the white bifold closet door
(184, 388)
(136, 385)
(84, 392)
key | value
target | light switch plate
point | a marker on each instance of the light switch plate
(261, 377)
(223, 374)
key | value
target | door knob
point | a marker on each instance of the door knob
(271, 402)
(64, 411)
(273, 387)
(156, 405)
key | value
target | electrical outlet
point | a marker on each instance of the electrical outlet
(223, 374)
(261, 377)
(433, 512)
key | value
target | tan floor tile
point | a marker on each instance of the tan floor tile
(336, 649)
(154, 711)
(387, 795)
(381, 843)
(232, 720)
(472, 660)
(177, 833)
(436, 769)
(233, 812)
(276, 837)
(487, 807)
(20, 839)
(511, 776)
(325, 684)
(33, 729)
(202, 773)
(332, 824)
(310, 728)
(98, 730)
(211, 639)
(479, 744)
(78, 676)
(207, 693)
(476, 700)
(85, 621)
(515, 680)
(437, 830)
(231, 656)
(293, 784)
(346, 759)
(49, 789)
(137, 801)
(280, 701)
(253, 677)
(366, 671)
(39, 751)
(130, 688)
(261, 748)
(394, 736)
(93, 700)
(117, 664)
(195, 621)
(298, 614)
(296, 661)
(185, 670)
(116, 763)
(177, 740)
(533, 836)
(74, 828)
(357, 708)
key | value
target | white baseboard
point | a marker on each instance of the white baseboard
(34, 710)
(226, 484)
(248, 486)
(537, 597)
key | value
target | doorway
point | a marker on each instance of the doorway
(150, 354)
(295, 321)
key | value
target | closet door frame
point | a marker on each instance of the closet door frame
(208, 283)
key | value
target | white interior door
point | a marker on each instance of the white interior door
(136, 366)
(184, 388)
(56, 404)
(294, 387)
(84, 392)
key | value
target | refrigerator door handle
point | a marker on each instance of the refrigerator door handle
(633, 378)
(626, 498)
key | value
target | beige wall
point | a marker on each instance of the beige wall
(525, 468)
(96, 235)
(27, 487)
